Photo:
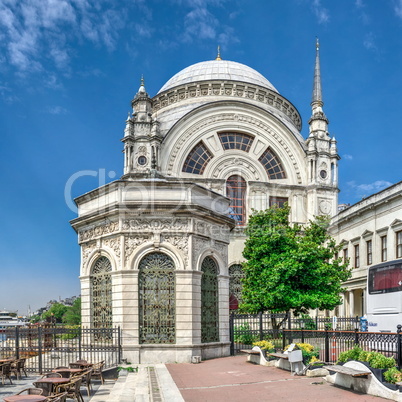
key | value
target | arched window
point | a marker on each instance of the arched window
(236, 188)
(209, 301)
(101, 293)
(157, 299)
(197, 160)
(235, 285)
(236, 141)
(272, 165)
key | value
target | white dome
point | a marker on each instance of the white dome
(218, 70)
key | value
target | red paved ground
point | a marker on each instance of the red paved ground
(233, 379)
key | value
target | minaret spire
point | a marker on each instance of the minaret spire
(218, 57)
(317, 91)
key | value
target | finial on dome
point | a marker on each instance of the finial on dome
(218, 57)
(142, 85)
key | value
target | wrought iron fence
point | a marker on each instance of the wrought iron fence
(46, 347)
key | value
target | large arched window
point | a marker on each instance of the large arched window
(209, 301)
(235, 285)
(101, 293)
(157, 299)
(272, 165)
(236, 188)
(197, 160)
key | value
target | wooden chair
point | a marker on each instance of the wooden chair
(22, 365)
(61, 367)
(97, 370)
(73, 389)
(75, 365)
(44, 386)
(86, 380)
(5, 372)
(52, 375)
(31, 391)
(82, 361)
(62, 397)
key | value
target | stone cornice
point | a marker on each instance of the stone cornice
(228, 89)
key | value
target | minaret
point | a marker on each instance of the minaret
(322, 153)
(141, 136)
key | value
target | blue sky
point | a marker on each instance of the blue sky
(69, 69)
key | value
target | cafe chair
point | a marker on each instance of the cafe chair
(62, 397)
(86, 380)
(73, 389)
(52, 375)
(16, 367)
(5, 372)
(31, 391)
(97, 370)
(82, 361)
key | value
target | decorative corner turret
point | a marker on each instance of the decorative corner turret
(142, 137)
(321, 151)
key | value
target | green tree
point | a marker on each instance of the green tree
(289, 267)
(57, 310)
(73, 315)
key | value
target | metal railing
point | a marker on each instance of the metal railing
(46, 347)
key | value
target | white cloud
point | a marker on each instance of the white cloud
(370, 43)
(347, 157)
(364, 190)
(320, 12)
(398, 8)
(57, 110)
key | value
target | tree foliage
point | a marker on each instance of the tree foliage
(73, 315)
(290, 267)
(56, 312)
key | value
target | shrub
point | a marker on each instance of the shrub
(309, 322)
(351, 354)
(375, 359)
(393, 375)
(265, 345)
(243, 334)
(308, 351)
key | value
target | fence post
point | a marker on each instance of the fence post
(261, 328)
(290, 321)
(326, 345)
(80, 345)
(40, 350)
(356, 336)
(283, 339)
(231, 333)
(398, 346)
(17, 342)
(302, 335)
(119, 343)
(316, 322)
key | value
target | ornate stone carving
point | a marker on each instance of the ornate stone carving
(97, 231)
(152, 224)
(131, 243)
(222, 249)
(199, 245)
(114, 244)
(180, 242)
(238, 161)
(86, 250)
(255, 92)
(219, 232)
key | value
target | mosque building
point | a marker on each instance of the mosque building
(161, 247)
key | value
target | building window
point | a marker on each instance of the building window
(157, 299)
(101, 293)
(236, 188)
(272, 165)
(369, 248)
(197, 160)
(357, 256)
(399, 244)
(383, 248)
(345, 255)
(235, 285)
(236, 141)
(278, 201)
(209, 301)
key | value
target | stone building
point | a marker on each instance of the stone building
(161, 247)
(370, 233)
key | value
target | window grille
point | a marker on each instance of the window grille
(236, 141)
(209, 301)
(197, 160)
(235, 285)
(236, 188)
(157, 299)
(272, 165)
(345, 255)
(278, 201)
(101, 292)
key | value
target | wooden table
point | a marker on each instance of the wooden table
(51, 383)
(25, 398)
(71, 371)
(6, 360)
